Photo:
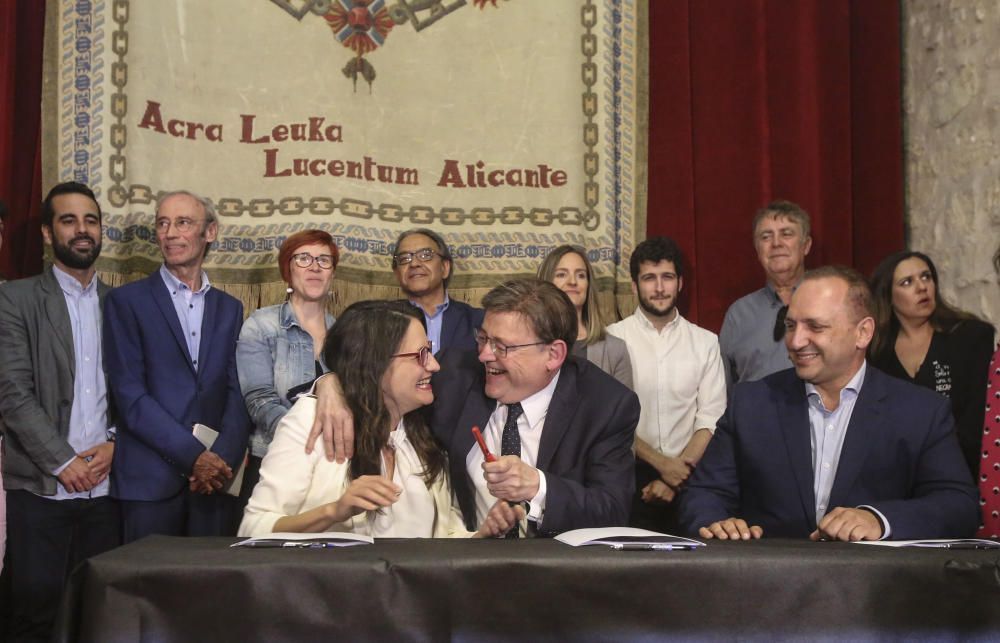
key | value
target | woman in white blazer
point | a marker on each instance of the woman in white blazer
(396, 484)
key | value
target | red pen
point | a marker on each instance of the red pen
(489, 457)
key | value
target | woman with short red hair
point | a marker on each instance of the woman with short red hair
(280, 347)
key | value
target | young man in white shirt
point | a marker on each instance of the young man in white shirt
(678, 375)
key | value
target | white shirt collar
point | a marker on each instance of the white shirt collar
(70, 285)
(649, 325)
(537, 404)
(175, 284)
(854, 385)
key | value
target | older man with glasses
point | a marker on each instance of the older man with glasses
(170, 352)
(422, 264)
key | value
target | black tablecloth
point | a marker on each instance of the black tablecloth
(197, 589)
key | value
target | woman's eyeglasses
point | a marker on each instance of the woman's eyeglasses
(304, 260)
(422, 355)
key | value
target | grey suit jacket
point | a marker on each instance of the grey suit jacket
(36, 381)
(611, 355)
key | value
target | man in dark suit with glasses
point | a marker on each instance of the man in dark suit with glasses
(423, 266)
(560, 429)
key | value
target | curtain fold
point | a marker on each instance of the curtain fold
(749, 101)
(754, 101)
(22, 23)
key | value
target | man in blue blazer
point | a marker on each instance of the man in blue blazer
(170, 351)
(833, 449)
(422, 264)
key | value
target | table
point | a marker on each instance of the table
(194, 589)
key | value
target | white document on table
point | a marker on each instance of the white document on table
(936, 543)
(322, 540)
(627, 539)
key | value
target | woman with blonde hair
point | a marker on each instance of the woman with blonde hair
(569, 269)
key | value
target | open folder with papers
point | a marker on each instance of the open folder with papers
(323, 540)
(627, 539)
(937, 543)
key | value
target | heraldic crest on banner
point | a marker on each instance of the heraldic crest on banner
(509, 127)
(363, 25)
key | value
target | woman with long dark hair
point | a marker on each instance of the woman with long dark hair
(921, 338)
(396, 484)
(569, 269)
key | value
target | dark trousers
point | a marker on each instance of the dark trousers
(46, 539)
(185, 514)
(655, 517)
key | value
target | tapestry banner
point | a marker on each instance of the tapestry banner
(509, 126)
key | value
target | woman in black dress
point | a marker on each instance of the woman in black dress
(921, 338)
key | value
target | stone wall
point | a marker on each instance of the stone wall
(951, 57)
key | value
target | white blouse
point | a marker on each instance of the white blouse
(292, 482)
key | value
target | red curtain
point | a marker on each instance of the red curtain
(22, 23)
(749, 101)
(756, 100)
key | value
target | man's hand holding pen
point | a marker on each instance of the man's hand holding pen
(510, 478)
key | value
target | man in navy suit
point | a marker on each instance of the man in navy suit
(170, 350)
(561, 429)
(422, 265)
(832, 449)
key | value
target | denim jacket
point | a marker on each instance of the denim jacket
(273, 354)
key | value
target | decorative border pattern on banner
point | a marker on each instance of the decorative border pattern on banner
(607, 75)
(81, 92)
(121, 194)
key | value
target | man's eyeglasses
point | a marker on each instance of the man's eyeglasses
(424, 255)
(499, 349)
(304, 260)
(422, 355)
(182, 224)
